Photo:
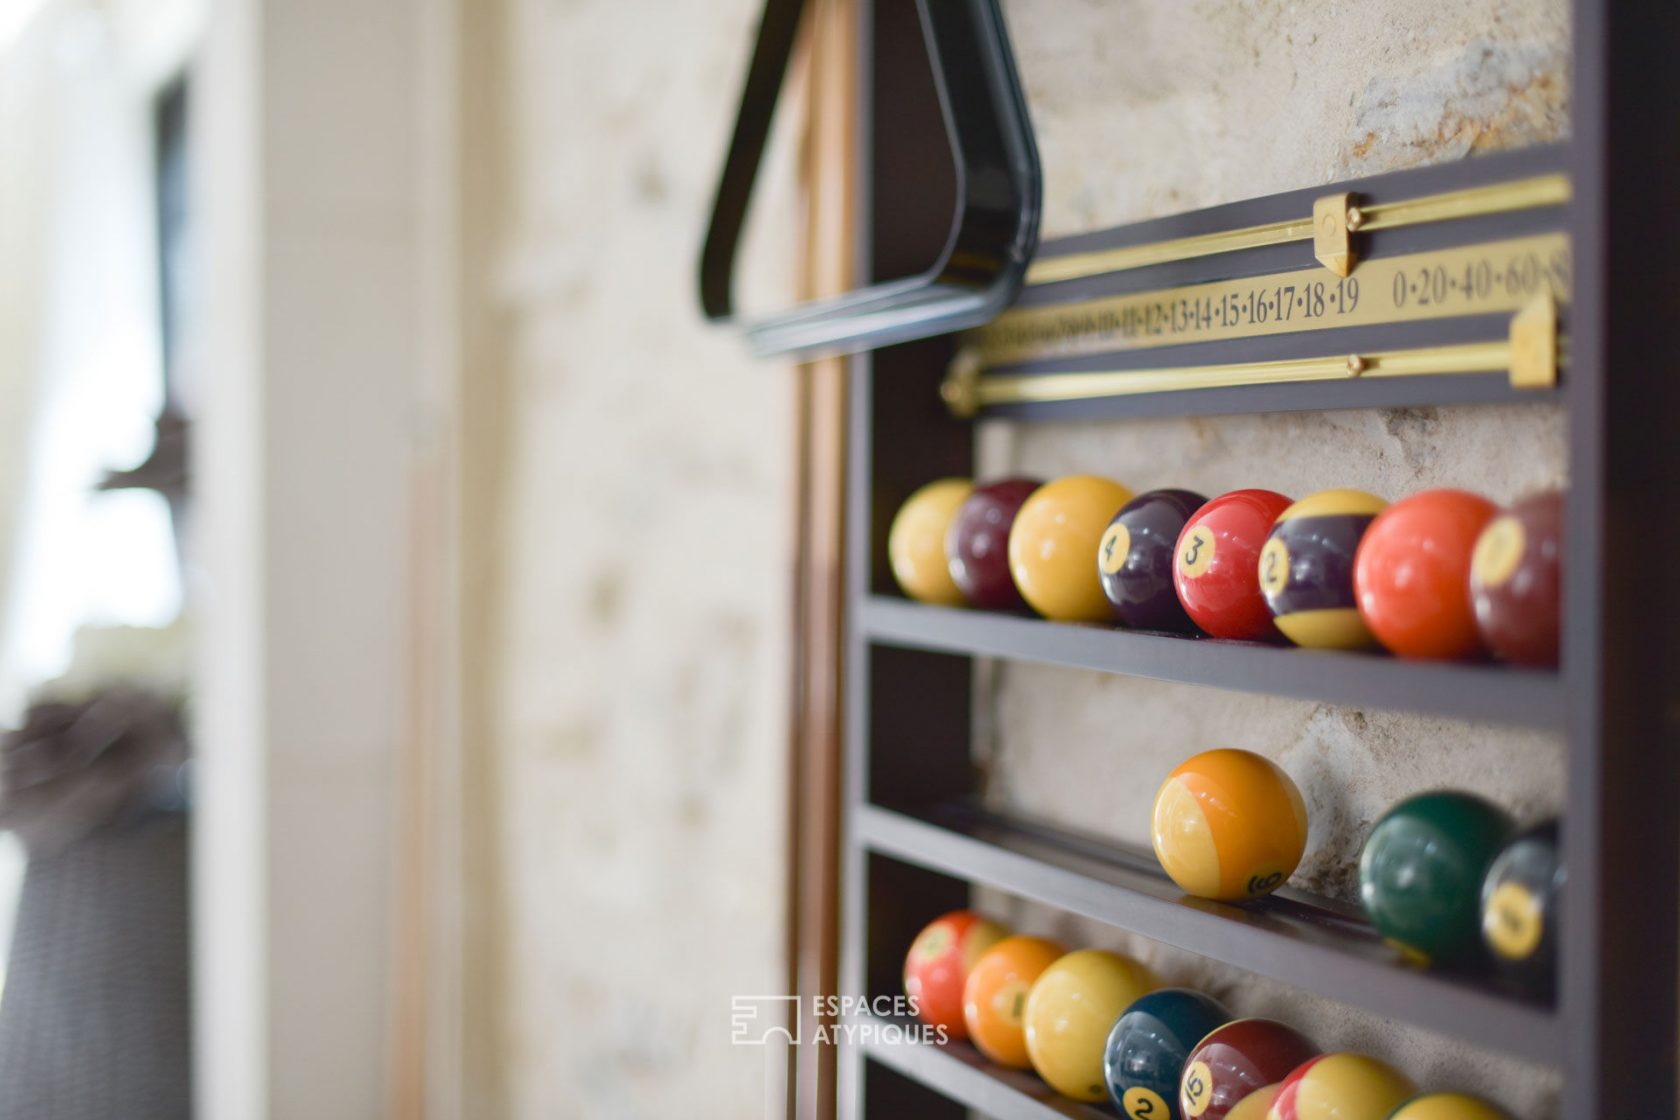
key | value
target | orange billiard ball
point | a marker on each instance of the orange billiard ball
(995, 996)
(937, 967)
(1411, 575)
(1229, 824)
(916, 542)
(1054, 542)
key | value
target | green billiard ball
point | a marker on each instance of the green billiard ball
(1422, 869)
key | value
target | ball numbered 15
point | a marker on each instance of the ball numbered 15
(1069, 1013)
(1306, 569)
(1144, 1059)
(1229, 824)
(1236, 1061)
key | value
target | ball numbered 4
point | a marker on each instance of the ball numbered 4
(977, 544)
(1341, 1087)
(1069, 1013)
(1412, 574)
(1448, 1106)
(1516, 580)
(916, 542)
(995, 996)
(1421, 873)
(1135, 560)
(937, 966)
(1237, 1061)
(1144, 1059)
(1216, 569)
(1229, 824)
(1520, 900)
(1306, 569)
(1053, 546)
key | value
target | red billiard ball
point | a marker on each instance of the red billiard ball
(977, 545)
(1236, 1060)
(1216, 568)
(938, 964)
(1411, 575)
(1515, 583)
(1135, 559)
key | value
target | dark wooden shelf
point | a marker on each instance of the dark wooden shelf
(1299, 939)
(958, 1071)
(1481, 692)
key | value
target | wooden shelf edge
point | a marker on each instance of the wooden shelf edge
(1309, 944)
(1496, 694)
(959, 1072)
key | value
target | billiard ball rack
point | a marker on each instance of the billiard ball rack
(914, 841)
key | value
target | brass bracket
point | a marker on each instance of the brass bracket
(961, 387)
(1335, 217)
(1534, 344)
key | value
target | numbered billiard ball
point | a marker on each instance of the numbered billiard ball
(1136, 560)
(916, 542)
(1520, 899)
(1306, 569)
(1341, 1087)
(1229, 824)
(1216, 569)
(995, 996)
(938, 964)
(1257, 1105)
(1144, 1059)
(1448, 1106)
(977, 546)
(1412, 574)
(1422, 869)
(1052, 544)
(1515, 582)
(1236, 1061)
(1069, 1012)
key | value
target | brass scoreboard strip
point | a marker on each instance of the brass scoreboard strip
(1526, 277)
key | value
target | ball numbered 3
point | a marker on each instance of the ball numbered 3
(1069, 1013)
(995, 996)
(1306, 569)
(916, 542)
(1216, 568)
(1235, 1062)
(1341, 1087)
(1229, 824)
(1053, 546)
(1143, 1061)
(937, 966)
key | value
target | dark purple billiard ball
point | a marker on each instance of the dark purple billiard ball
(1135, 559)
(1516, 582)
(977, 544)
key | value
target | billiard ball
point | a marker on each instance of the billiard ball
(1146, 1051)
(1515, 583)
(1229, 824)
(1216, 569)
(1052, 543)
(1237, 1060)
(1341, 1087)
(1412, 574)
(1520, 899)
(1306, 569)
(1257, 1105)
(995, 996)
(1136, 560)
(977, 545)
(938, 963)
(1069, 1013)
(916, 542)
(1421, 873)
(1448, 1106)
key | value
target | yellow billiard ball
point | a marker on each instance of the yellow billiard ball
(1054, 542)
(916, 542)
(1230, 825)
(1448, 1106)
(1070, 1011)
(1341, 1087)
